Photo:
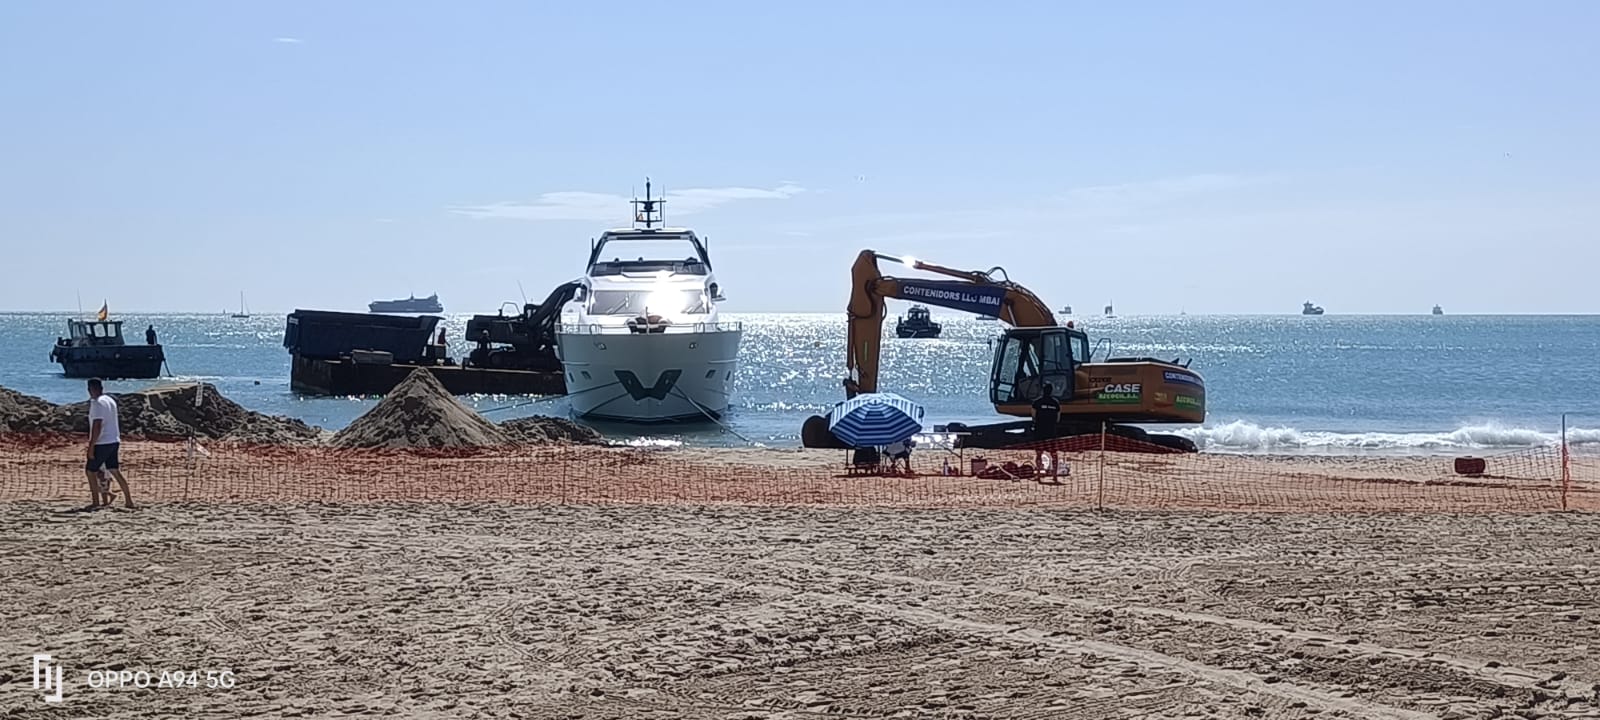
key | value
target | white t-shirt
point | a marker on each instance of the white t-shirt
(104, 409)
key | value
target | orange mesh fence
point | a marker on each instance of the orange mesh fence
(1581, 476)
(1080, 475)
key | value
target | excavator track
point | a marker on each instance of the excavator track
(1019, 434)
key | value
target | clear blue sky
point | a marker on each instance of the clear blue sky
(1211, 157)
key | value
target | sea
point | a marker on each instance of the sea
(1331, 384)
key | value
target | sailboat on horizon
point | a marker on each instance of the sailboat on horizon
(243, 313)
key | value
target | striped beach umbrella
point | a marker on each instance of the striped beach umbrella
(875, 419)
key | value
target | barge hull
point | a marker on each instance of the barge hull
(313, 376)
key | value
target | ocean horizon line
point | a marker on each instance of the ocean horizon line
(939, 312)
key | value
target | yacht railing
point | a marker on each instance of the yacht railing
(674, 328)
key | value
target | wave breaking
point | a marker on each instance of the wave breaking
(1244, 436)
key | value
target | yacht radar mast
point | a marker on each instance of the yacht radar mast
(649, 212)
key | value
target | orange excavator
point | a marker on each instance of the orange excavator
(1114, 393)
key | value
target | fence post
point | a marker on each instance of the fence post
(190, 460)
(1566, 464)
(1100, 493)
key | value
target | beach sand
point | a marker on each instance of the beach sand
(493, 610)
(574, 582)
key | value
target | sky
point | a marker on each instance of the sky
(1220, 157)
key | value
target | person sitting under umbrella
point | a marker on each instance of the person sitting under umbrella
(876, 420)
(901, 451)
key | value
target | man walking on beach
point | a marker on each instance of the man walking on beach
(1046, 412)
(105, 438)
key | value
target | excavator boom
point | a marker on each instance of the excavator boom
(980, 293)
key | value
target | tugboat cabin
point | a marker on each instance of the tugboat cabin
(94, 332)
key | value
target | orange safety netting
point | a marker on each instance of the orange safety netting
(35, 467)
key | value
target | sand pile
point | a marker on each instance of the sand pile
(187, 409)
(539, 430)
(419, 412)
(19, 412)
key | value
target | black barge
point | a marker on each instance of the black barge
(340, 353)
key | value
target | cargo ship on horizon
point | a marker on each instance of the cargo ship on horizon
(413, 304)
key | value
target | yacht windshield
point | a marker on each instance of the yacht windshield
(653, 302)
(664, 250)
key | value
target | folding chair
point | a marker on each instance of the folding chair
(864, 461)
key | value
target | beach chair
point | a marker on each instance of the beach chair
(864, 461)
(896, 452)
(1050, 467)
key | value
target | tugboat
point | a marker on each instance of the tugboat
(1066, 310)
(1310, 309)
(1438, 310)
(94, 348)
(917, 323)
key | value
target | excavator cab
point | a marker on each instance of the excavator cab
(1027, 358)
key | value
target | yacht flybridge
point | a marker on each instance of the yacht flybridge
(646, 343)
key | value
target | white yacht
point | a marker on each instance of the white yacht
(645, 343)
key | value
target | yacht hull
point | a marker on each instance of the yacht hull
(649, 377)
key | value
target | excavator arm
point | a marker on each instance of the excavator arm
(981, 293)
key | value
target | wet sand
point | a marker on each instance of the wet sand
(443, 610)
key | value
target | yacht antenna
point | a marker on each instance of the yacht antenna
(650, 210)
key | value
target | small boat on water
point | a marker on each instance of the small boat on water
(1110, 313)
(244, 312)
(917, 323)
(1310, 309)
(1438, 310)
(95, 348)
(1067, 309)
(413, 304)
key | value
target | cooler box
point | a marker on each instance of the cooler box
(1470, 466)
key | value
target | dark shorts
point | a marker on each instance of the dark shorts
(105, 457)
